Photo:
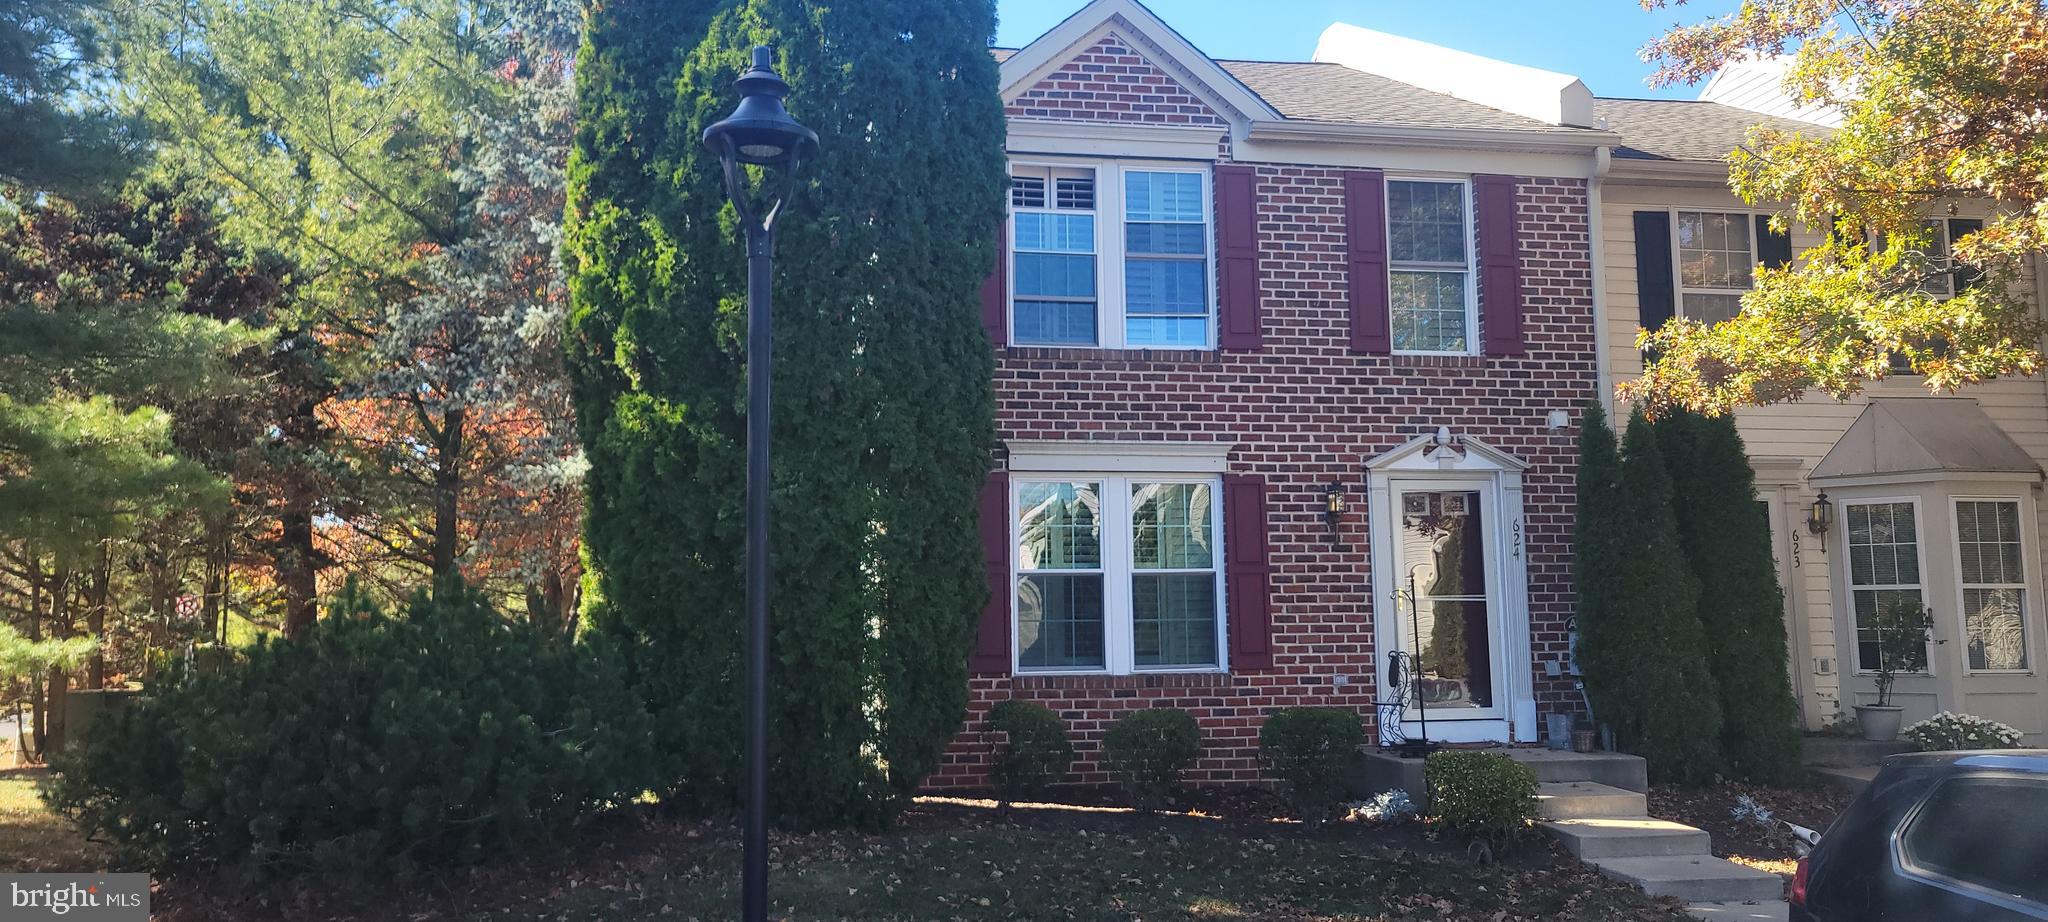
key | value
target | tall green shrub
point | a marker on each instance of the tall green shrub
(1640, 641)
(1726, 534)
(445, 734)
(883, 402)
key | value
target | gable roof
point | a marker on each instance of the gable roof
(1685, 129)
(1924, 435)
(1154, 40)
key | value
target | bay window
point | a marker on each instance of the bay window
(1994, 584)
(1111, 254)
(1117, 574)
(1884, 567)
(1431, 295)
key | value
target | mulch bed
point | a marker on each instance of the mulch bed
(1814, 806)
(1224, 854)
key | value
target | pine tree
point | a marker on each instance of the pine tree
(55, 138)
(1640, 642)
(883, 410)
(1727, 539)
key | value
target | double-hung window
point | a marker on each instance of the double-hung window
(1053, 241)
(1118, 574)
(1884, 568)
(1994, 583)
(1111, 254)
(1716, 263)
(1431, 297)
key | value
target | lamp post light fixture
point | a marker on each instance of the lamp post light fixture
(759, 133)
(1820, 518)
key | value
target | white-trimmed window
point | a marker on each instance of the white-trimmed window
(1942, 285)
(1111, 254)
(1884, 567)
(1989, 554)
(1716, 259)
(1118, 573)
(1431, 296)
(1053, 245)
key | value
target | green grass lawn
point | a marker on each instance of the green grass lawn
(33, 839)
(955, 863)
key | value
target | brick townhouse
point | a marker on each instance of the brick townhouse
(1287, 355)
(1290, 363)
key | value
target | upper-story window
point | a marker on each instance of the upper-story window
(1716, 263)
(1429, 249)
(1110, 254)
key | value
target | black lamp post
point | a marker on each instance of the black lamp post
(758, 133)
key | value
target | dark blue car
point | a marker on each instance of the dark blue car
(1940, 836)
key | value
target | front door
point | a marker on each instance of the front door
(1449, 622)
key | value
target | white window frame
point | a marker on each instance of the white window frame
(1947, 288)
(2025, 586)
(1118, 564)
(1110, 248)
(1848, 569)
(1471, 258)
(1678, 258)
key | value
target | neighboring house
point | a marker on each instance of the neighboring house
(1290, 359)
(1934, 500)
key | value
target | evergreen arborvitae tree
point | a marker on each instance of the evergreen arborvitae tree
(883, 404)
(1727, 539)
(1640, 642)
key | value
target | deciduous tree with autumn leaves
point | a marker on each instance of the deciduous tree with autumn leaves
(1941, 101)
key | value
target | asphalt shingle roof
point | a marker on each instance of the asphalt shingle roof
(1683, 129)
(1335, 93)
(1651, 129)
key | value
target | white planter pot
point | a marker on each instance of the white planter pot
(1879, 724)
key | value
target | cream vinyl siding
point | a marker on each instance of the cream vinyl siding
(1804, 432)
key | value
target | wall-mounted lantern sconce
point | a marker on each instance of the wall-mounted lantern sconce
(1334, 507)
(1820, 517)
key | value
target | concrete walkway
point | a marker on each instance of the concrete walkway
(1595, 804)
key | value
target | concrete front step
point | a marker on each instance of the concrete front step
(1694, 878)
(1765, 911)
(1383, 771)
(1638, 837)
(1847, 752)
(1852, 778)
(1614, 769)
(1572, 800)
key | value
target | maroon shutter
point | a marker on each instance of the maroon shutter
(1240, 325)
(995, 291)
(992, 635)
(1500, 265)
(1247, 575)
(1365, 233)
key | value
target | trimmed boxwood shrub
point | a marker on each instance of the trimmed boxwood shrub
(444, 734)
(1148, 751)
(1308, 750)
(1484, 796)
(1035, 753)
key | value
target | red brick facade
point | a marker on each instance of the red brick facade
(1304, 411)
(1111, 81)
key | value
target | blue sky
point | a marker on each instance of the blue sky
(1596, 40)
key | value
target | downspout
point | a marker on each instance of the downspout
(1603, 161)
